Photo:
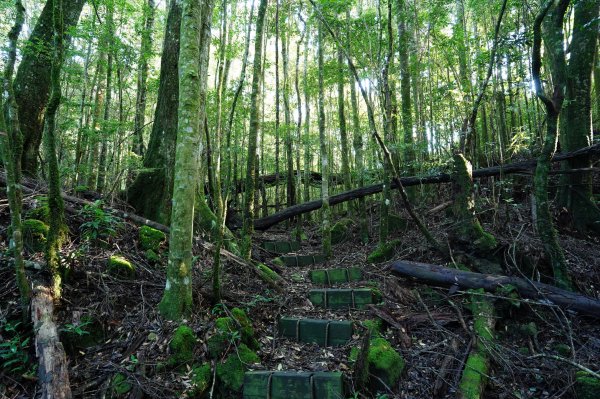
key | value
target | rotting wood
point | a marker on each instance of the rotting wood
(544, 293)
(53, 368)
(517, 167)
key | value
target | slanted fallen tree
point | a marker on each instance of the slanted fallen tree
(53, 369)
(547, 294)
(274, 178)
(517, 167)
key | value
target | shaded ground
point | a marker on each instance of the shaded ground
(434, 326)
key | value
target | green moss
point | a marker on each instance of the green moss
(339, 231)
(228, 330)
(150, 238)
(267, 273)
(41, 210)
(81, 188)
(473, 376)
(34, 234)
(120, 266)
(562, 349)
(119, 386)
(586, 386)
(375, 326)
(385, 362)
(484, 241)
(182, 345)
(528, 330)
(278, 261)
(201, 376)
(383, 252)
(152, 256)
(231, 372)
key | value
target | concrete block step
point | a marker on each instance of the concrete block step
(281, 247)
(343, 298)
(302, 260)
(320, 332)
(293, 385)
(335, 276)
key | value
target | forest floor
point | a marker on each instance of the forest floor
(132, 339)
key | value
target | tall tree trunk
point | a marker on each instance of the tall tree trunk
(255, 105)
(576, 116)
(326, 213)
(554, 37)
(342, 120)
(11, 141)
(176, 302)
(357, 144)
(403, 51)
(140, 101)
(277, 107)
(285, 42)
(32, 83)
(150, 194)
(55, 201)
(106, 129)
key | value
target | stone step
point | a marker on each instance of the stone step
(302, 260)
(281, 247)
(335, 276)
(343, 298)
(320, 332)
(293, 385)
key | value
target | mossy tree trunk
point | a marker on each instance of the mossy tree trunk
(140, 101)
(150, 193)
(576, 117)
(406, 108)
(468, 229)
(176, 302)
(553, 37)
(357, 144)
(326, 212)
(32, 83)
(11, 141)
(289, 155)
(255, 107)
(57, 226)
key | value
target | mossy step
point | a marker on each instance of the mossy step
(335, 276)
(281, 247)
(320, 332)
(302, 260)
(343, 298)
(293, 385)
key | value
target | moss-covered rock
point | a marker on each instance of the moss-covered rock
(201, 378)
(230, 329)
(375, 326)
(119, 386)
(339, 231)
(267, 273)
(182, 345)
(41, 211)
(586, 386)
(118, 265)
(34, 234)
(383, 362)
(152, 256)
(231, 372)
(383, 252)
(150, 238)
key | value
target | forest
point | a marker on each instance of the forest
(300, 199)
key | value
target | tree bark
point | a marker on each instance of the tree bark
(53, 373)
(176, 302)
(150, 194)
(32, 83)
(140, 101)
(518, 167)
(446, 277)
(255, 106)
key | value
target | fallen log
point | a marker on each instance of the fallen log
(53, 369)
(517, 167)
(545, 293)
(272, 179)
